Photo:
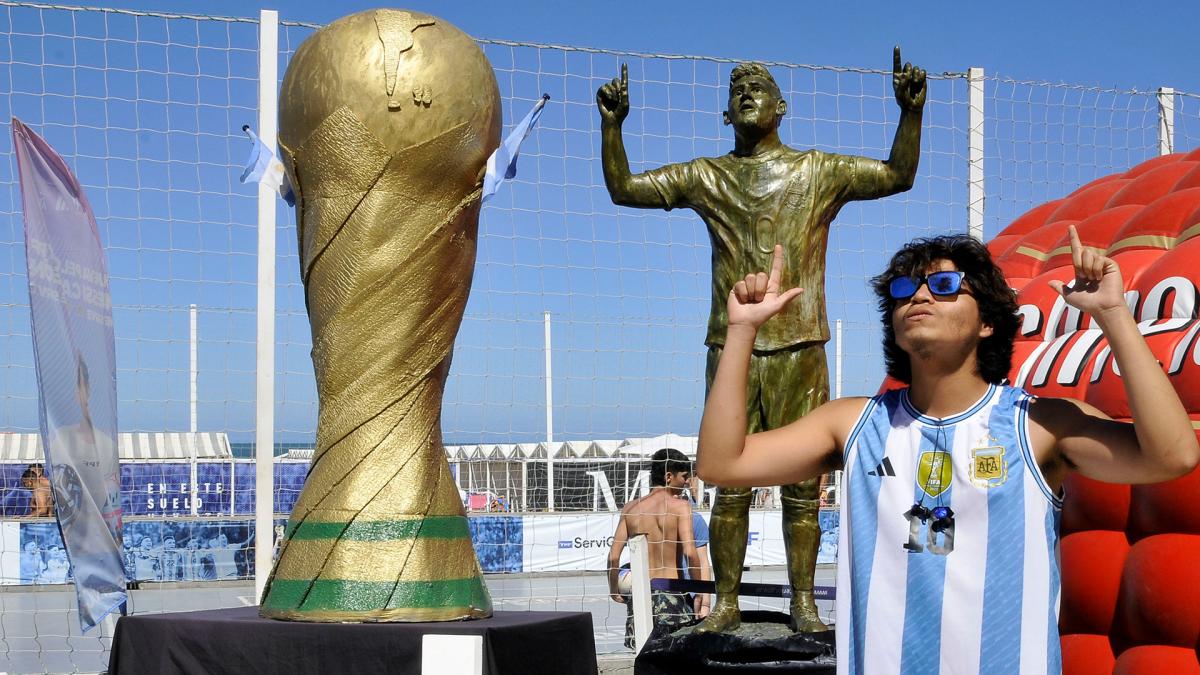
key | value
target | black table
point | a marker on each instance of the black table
(239, 641)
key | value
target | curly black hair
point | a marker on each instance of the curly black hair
(996, 300)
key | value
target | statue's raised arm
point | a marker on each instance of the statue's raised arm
(908, 82)
(625, 188)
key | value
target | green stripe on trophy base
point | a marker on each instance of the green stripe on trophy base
(342, 600)
(434, 527)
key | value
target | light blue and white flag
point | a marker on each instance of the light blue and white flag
(262, 166)
(502, 165)
(76, 365)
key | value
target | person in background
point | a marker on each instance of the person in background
(145, 562)
(41, 503)
(170, 561)
(701, 602)
(665, 517)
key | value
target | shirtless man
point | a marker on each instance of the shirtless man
(666, 520)
(41, 503)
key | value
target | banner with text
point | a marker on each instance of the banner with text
(75, 361)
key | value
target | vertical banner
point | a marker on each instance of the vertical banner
(75, 361)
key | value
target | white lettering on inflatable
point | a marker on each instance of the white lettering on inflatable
(1031, 319)
(1183, 295)
(1077, 357)
(1042, 374)
(1182, 348)
(1064, 321)
(1061, 313)
(1027, 365)
(1152, 327)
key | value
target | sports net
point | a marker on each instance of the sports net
(147, 109)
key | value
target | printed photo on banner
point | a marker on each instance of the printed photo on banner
(154, 550)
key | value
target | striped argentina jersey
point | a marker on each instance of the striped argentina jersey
(979, 596)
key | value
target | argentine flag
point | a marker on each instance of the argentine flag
(502, 165)
(262, 166)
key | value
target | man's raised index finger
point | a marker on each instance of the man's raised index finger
(777, 264)
(625, 75)
(1076, 247)
(896, 59)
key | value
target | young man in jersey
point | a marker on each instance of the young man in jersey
(665, 517)
(953, 485)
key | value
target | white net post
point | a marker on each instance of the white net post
(264, 416)
(976, 117)
(838, 355)
(549, 413)
(1166, 120)
(193, 393)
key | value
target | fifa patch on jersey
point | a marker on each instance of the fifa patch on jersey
(989, 469)
(934, 472)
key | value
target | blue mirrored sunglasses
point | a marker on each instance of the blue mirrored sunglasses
(940, 283)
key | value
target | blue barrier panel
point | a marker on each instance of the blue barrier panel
(215, 549)
(15, 499)
(499, 542)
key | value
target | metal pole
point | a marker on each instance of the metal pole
(232, 485)
(192, 374)
(1166, 120)
(264, 417)
(549, 419)
(837, 359)
(975, 194)
(487, 467)
(625, 483)
(192, 366)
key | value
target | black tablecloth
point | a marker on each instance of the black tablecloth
(239, 641)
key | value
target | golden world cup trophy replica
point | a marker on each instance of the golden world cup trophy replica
(386, 121)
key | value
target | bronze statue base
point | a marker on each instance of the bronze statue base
(763, 643)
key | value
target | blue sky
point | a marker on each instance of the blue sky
(148, 113)
(1103, 43)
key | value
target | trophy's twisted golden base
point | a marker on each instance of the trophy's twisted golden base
(387, 119)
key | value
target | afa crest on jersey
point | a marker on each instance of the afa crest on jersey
(989, 469)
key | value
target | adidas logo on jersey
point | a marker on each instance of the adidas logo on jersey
(884, 469)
